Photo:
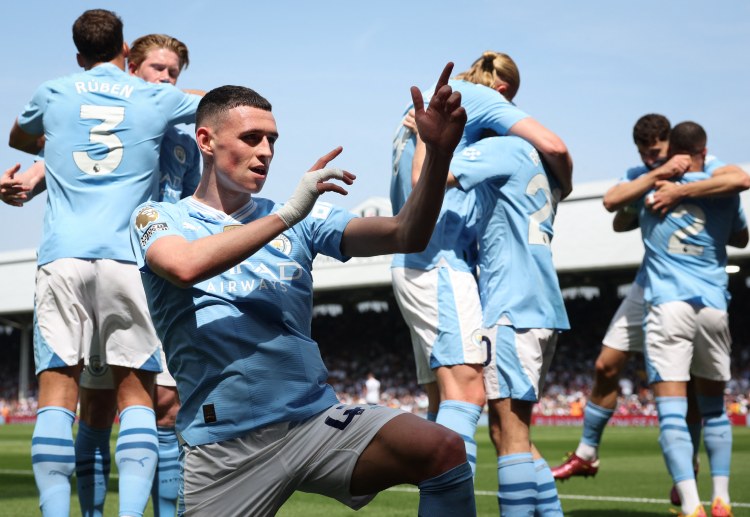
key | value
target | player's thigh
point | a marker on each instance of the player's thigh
(64, 317)
(124, 323)
(407, 449)
(670, 330)
(521, 360)
(98, 407)
(416, 294)
(625, 331)
(713, 346)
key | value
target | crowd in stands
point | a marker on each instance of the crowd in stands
(355, 343)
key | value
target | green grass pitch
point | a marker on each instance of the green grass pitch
(632, 479)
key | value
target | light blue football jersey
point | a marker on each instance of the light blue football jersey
(516, 206)
(686, 250)
(453, 240)
(179, 166)
(712, 163)
(103, 130)
(239, 344)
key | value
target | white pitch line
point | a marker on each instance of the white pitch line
(601, 498)
(610, 499)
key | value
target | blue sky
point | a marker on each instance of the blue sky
(339, 72)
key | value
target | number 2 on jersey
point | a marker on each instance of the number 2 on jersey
(536, 219)
(677, 241)
(110, 116)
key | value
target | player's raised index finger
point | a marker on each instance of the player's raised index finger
(444, 76)
(323, 160)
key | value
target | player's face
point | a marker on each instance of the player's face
(654, 155)
(242, 145)
(160, 66)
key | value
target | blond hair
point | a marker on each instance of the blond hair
(491, 68)
(145, 44)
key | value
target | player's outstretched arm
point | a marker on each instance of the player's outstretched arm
(210, 256)
(726, 180)
(440, 126)
(627, 192)
(17, 189)
(551, 147)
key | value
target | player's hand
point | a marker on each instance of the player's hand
(12, 190)
(347, 177)
(441, 125)
(410, 122)
(666, 196)
(314, 183)
(676, 166)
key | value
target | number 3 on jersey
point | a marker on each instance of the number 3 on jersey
(536, 219)
(110, 116)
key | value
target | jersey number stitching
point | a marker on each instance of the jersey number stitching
(537, 183)
(110, 116)
(677, 244)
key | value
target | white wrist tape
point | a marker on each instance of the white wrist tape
(304, 197)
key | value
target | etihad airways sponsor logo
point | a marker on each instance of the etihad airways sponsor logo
(255, 276)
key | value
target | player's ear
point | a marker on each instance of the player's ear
(204, 140)
(79, 59)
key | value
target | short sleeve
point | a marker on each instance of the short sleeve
(150, 222)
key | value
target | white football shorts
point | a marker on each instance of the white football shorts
(625, 332)
(441, 307)
(684, 339)
(82, 302)
(520, 361)
(97, 376)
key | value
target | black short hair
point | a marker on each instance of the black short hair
(687, 138)
(650, 129)
(225, 98)
(97, 34)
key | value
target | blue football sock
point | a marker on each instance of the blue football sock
(431, 416)
(674, 437)
(53, 459)
(167, 478)
(462, 417)
(517, 487)
(595, 419)
(136, 455)
(450, 494)
(717, 434)
(92, 468)
(547, 501)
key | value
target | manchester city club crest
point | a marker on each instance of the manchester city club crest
(179, 154)
(282, 244)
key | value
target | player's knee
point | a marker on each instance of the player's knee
(606, 371)
(452, 451)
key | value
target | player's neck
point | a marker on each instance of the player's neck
(118, 61)
(224, 200)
